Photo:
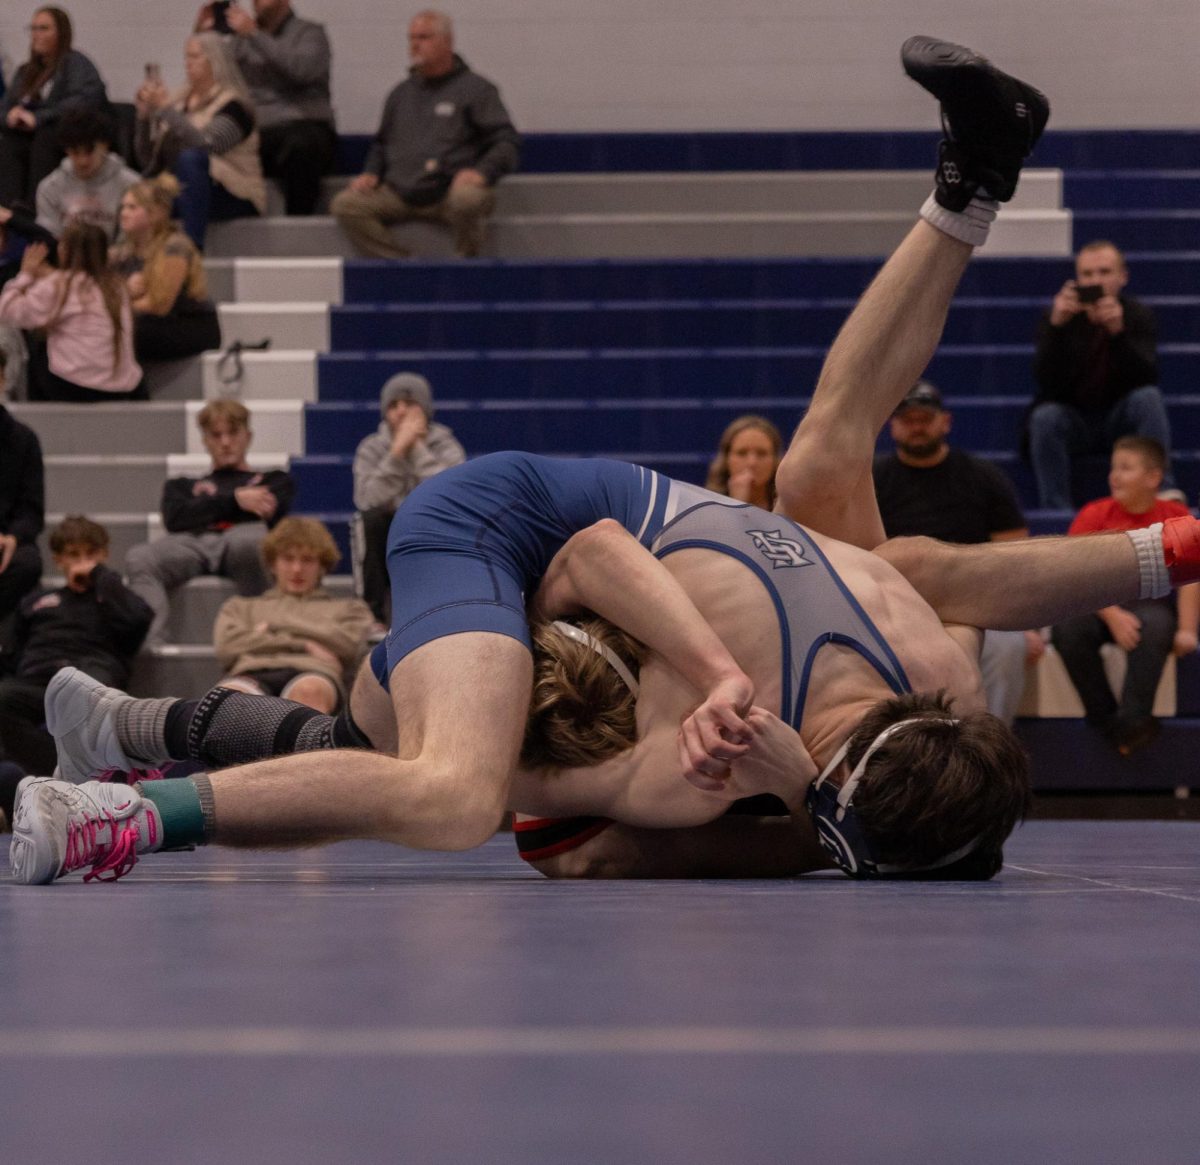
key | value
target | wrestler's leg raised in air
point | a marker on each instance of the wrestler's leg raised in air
(992, 123)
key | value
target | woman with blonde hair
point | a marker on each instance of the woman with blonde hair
(205, 134)
(747, 457)
(296, 640)
(84, 308)
(164, 273)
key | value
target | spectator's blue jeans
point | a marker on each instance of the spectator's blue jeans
(1058, 432)
(202, 200)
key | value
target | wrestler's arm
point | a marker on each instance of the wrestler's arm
(606, 570)
(730, 847)
(642, 786)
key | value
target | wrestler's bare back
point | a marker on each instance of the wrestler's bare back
(643, 785)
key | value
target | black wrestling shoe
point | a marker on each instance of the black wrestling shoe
(992, 121)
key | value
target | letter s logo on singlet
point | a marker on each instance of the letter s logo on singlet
(781, 552)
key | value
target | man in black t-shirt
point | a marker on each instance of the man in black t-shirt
(928, 487)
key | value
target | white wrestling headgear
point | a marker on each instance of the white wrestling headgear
(606, 653)
(837, 825)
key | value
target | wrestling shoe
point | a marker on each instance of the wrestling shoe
(59, 828)
(81, 716)
(992, 121)
(1181, 549)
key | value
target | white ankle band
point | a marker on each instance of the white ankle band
(1153, 579)
(969, 226)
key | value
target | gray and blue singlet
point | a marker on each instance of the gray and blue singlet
(812, 604)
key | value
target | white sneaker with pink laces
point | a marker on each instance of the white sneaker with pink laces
(60, 827)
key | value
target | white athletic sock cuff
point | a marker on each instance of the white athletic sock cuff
(969, 226)
(1154, 581)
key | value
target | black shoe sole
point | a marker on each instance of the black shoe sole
(988, 112)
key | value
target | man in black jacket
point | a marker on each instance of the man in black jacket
(92, 622)
(22, 509)
(1097, 373)
(216, 523)
(444, 142)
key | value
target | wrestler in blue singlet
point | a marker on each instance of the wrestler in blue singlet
(468, 547)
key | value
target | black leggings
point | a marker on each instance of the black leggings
(174, 336)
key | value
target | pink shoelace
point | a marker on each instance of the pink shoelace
(115, 855)
(134, 775)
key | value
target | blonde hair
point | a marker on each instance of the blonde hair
(232, 412)
(301, 534)
(718, 471)
(157, 196)
(225, 71)
(83, 254)
(581, 712)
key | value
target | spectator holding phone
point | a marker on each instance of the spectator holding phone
(1097, 374)
(286, 63)
(206, 135)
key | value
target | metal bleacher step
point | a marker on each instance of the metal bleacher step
(121, 427)
(680, 323)
(583, 235)
(510, 281)
(717, 191)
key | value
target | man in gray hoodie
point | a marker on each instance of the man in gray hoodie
(90, 181)
(444, 142)
(408, 447)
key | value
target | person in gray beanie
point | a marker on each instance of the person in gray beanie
(408, 447)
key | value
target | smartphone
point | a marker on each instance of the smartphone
(1089, 292)
(153, 73)
(220, 15)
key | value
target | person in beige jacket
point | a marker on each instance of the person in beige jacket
(296, 640)
(206, 134)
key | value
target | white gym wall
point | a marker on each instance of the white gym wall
(699, 64)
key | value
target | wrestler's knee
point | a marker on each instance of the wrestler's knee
(446, 808)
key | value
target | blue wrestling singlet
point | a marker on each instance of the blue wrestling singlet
(814, 607)
(468, 546)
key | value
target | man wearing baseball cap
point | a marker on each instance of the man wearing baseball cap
(928, 487)
(408, 447)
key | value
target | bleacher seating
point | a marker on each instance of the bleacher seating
(596, 334)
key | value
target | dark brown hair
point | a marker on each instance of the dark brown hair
(37, 70)
(76, 530)
(582, 712)
(933, 788)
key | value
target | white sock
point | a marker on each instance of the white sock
(968, 226)
(1153, 578)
